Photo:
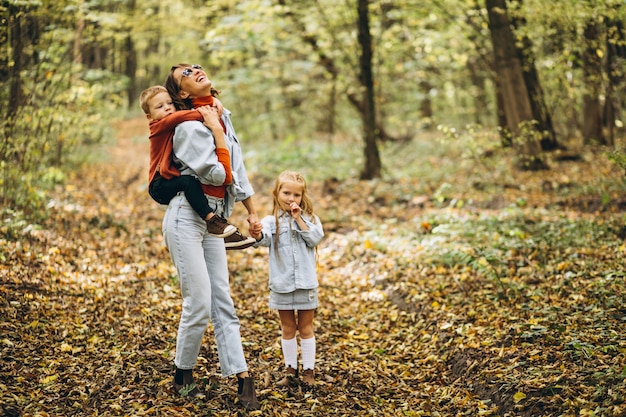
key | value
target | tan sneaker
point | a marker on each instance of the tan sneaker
(218, 226)
(308, 377)
(238, 241)
(290, 379)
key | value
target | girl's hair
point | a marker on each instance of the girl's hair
(306, 205)
(174, 89)
(294, 177)
(148, 94)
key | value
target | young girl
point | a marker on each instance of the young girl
(292, 233)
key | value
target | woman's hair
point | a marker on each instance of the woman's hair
(148, 94)
(174, 89)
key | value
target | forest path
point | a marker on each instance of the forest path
(90, 307)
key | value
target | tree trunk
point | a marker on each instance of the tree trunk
(592, 70)
(372, 166)
(426, 106)
(541, 114)
(131, 71)
(16, 37)
(517, 107)
(478, 83)
(537, 98)
(327, 62)
(616, 52)
(78, 38)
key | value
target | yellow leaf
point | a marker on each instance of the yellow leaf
(393, 315)
(49, 379)
(519, 396)
(600, 53)
(368, 244)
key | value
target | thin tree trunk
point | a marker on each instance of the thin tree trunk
(372, 166)
(616, 51)
(592, 70)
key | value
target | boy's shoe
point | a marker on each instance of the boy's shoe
(238, 241)
(290, 379)
(308, 377)
(218, 226)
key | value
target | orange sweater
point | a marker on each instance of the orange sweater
(161, 144)
(161, 135)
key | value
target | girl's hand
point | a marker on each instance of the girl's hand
(295, 210)
(256, 230)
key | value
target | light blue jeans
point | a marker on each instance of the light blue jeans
(200, 260)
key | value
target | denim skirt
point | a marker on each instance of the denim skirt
(297, 300)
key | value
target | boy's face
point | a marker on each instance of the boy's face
(160, 106)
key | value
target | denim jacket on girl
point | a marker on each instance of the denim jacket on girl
(292, 263)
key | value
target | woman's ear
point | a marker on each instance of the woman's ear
(183, 95)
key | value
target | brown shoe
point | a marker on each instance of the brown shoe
(189, 390)
(218, 226)
(290, 379)
(187, 386)
(238, 241)
(247, 394)
(308, 377)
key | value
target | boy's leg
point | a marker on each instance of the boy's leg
(162, 191)
(216, 225)
(195, 196)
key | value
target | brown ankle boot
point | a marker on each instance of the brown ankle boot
(246, 393)
(308, 377)
(185, 386)
(290, 379)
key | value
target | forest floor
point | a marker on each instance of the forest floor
(508, 303)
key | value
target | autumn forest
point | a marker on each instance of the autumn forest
(466, 158)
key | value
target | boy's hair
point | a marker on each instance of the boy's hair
(148, 94)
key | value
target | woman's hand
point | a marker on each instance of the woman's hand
(211, 117)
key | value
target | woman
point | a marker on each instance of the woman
(200, 258)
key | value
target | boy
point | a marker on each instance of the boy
(164, 178)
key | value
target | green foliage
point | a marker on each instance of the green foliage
(63, 109)
(619, 157)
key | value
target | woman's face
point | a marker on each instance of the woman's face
(193, 81)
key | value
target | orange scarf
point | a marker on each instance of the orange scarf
(207, 101)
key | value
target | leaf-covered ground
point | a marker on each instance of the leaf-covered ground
(506, 299)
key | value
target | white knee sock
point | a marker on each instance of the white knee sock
(308, 353)
(290, 352)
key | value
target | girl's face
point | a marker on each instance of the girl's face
(192, 81)
(160, 106)
(290, 192)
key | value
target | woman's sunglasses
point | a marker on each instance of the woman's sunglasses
(187, 73)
